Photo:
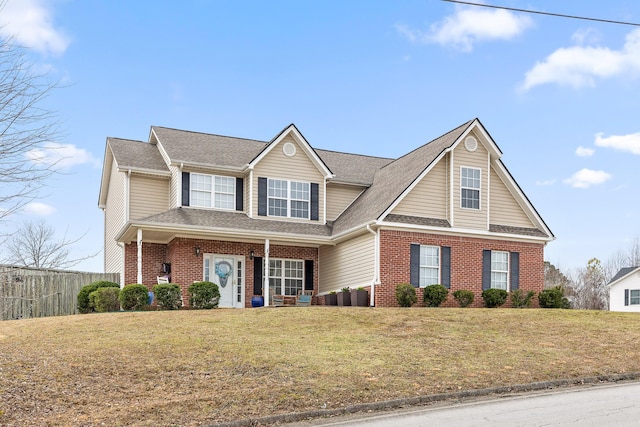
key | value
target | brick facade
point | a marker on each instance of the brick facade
(187, 267)
(466, 263)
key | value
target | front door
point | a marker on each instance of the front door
(226, 271)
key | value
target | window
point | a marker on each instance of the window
(499, 270)
(288, 198)
(470, 188)
(429, 265)
(286, 277)
(634, 297)
(212, 191)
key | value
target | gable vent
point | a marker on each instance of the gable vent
(471, 144)
(289, 149)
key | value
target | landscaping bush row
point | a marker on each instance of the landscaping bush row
(102, 296)
(435, 295)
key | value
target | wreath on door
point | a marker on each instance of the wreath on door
(223, 270)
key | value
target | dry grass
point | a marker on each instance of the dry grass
(192, 368)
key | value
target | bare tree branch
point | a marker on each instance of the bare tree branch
(35, 245)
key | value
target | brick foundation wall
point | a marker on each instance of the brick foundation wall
(466, 264)
(187, 268)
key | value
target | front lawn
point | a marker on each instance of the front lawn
(192, 368)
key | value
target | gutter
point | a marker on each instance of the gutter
(376, 265)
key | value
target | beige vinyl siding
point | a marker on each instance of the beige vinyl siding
(175, 195)
(478, 159)
(504, 209)
(428, 198)
(350, 263)
(148, 195)
(114, 219)
(339, 197)
(276, 165)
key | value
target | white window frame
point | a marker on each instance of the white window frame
(212, 193)
(470, 187)
(497, 271)
(636, 297)
(290, 198)
(428, 264)
(282, 273)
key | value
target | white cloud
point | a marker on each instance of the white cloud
(585, 178)
(546, 183)
(469, 26)
(40, 209)
(30, 22)
(630, 143)
(584, 151)
(61, 156)
(580, 66)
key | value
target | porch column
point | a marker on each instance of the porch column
(139, 279)
(265, 286)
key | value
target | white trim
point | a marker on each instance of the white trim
(324, 201)
(213, 191)
(250, 213)
(451, 189)
(265, 273)
(304, 145)
(289, 199)
(488, 191)
(508, 271)
(127, 195)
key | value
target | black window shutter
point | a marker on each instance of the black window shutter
(446, 266)
(257, 275)
(239, 194)
(262, 196)
(414, 265)
(315, 193)
(486, 269)
(514, 262)
(185, 188)
(626, 297)
(308, 275)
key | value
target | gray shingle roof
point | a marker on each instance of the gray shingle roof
(136, 155)
(391, 180)
(508, 229)
(205, 218)
(418, 220)
(623, 272)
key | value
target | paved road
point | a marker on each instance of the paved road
(601, 405)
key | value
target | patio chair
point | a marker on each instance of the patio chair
(277, 300)
(304, 298)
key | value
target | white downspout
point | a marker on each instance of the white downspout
(127, 195)
(376, 264)
(179, 190)
(265, 290)
(139, 256)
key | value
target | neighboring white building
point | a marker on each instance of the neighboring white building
(624, 290)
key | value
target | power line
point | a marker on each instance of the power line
(608, 21)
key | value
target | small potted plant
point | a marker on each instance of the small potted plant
(331, 298)
(344, 297)
(359, 297)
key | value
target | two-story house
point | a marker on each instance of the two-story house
(278, 217)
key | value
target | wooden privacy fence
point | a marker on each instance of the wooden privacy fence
(33, 292)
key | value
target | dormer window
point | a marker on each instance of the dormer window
(288, 198)
(213, 191)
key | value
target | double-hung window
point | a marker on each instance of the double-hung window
(634, 296)
(288, 198)
(469, 188)
(429, 265)
(286, 276)
(213, 191)
(500, 270)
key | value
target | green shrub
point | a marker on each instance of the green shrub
(84, 304)
(203, 295)
(520, 300)
(434, 295)
(134, 297)
(406, 295)
(464, 297)
(105, 299)
(168, 296)
(553, 298)
(494, 297)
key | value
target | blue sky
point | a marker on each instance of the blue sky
(559, 96)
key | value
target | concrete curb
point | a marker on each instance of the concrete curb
(421, 400)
